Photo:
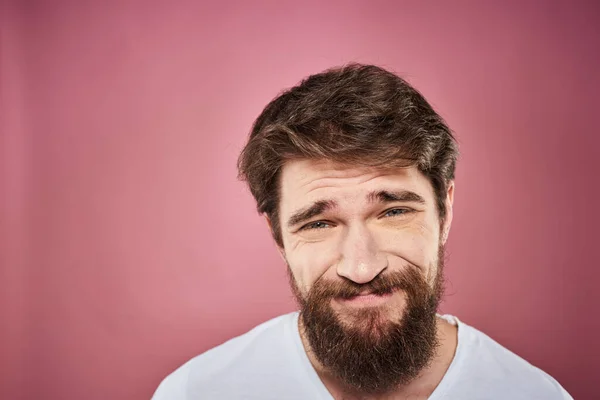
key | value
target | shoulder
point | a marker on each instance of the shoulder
(496, 368)
(264, 342)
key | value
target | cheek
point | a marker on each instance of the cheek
(309, 262)
(417, 245)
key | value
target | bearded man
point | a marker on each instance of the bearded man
(354, 173)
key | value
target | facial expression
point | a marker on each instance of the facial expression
(356, 223)
(364, 250)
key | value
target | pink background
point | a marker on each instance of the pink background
(128, 246)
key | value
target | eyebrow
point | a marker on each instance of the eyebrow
(315, 209)
(381, 196)
(404, 196)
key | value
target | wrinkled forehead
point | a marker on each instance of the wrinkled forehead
(305, 181)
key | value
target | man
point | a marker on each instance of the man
(354, 172)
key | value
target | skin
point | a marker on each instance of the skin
(359, 238)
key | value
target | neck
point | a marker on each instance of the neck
(420, 387)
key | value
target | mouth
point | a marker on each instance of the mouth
(366, 300)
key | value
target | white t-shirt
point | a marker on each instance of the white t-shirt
(269, 363)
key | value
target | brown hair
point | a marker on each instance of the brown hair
(356, 114)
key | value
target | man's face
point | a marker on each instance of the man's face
(356, 223)
(363, 247)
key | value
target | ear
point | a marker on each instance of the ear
(449, 212)
(279, 248)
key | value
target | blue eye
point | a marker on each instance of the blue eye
(396, 212)
(316, 225)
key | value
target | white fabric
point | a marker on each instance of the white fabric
(269, 363)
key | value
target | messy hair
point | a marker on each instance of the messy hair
(359, 115)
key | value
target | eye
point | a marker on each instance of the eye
(395, 212)
(315, 225)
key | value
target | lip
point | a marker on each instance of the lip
(367, 299)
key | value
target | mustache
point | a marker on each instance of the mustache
(407, 280)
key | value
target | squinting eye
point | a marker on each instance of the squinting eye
(315, 225)
(396, 212)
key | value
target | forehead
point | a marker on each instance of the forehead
(304, 181)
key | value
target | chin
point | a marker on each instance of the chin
(373, 322)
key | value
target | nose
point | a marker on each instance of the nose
(361, 261)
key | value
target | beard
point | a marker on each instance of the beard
(370, 350)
